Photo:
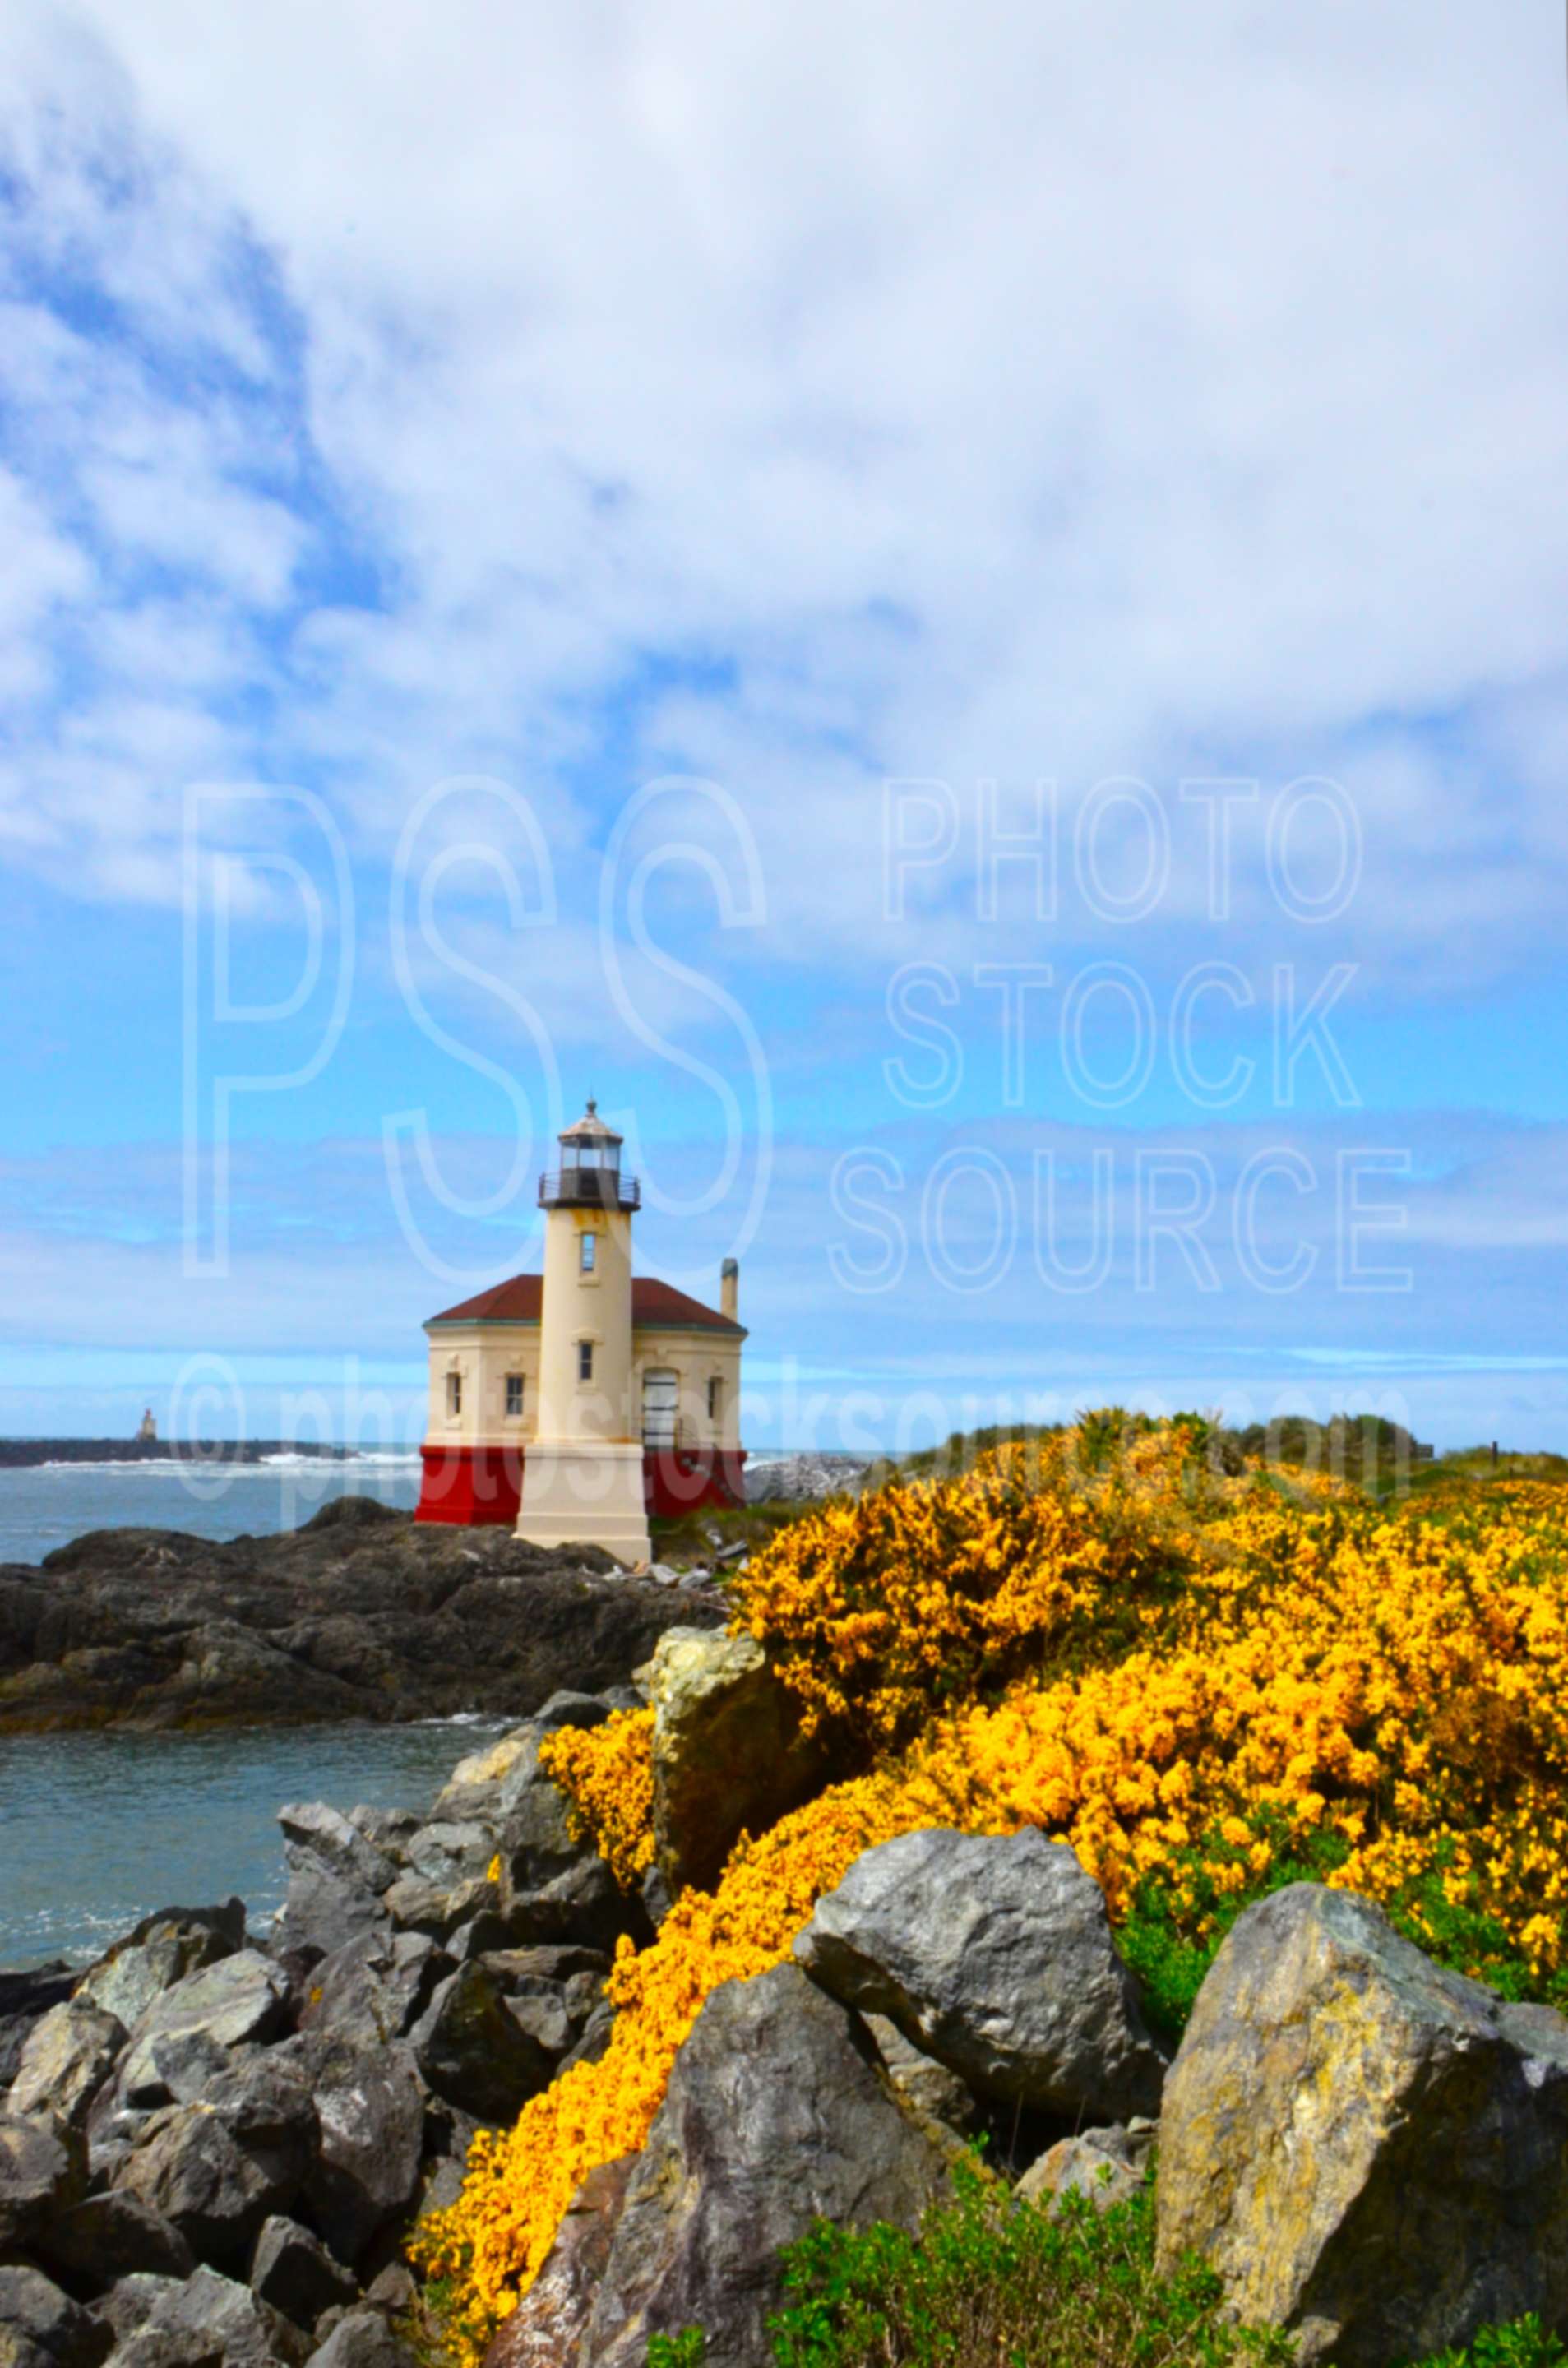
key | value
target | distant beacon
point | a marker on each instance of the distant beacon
(147, 1431)
(574, 1404)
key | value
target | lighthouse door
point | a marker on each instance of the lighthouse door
(660, 1396)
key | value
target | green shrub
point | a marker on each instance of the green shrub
(994, 2284)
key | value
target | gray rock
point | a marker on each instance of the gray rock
(220, 2168)
(43, 2170)
(549, 2325)
(25, 1995)
(1108, 2166)
(41, 2327)
(293, 2271)
(729, 1755)
(370, 2109)
(164, 1948)
(924, 2086)
(593, 2040)
(1370, 2151)
(66, 2058)
(374, 1987)
(133, 2300)
(242, 1997)
(476, 2051)
(994, 1955)
(210, 2319)
(112, 2236)
(337, 1878)
(448, 1854)
(392, 2291)
(363, 2339)
(433, 1909)
(773, 2114)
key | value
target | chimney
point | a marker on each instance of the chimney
(730, 1288)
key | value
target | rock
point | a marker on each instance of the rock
(728, 1753)
(24, 1996)
(243, 1997)
(594, 2038)
(449, 1853)
(68, 2056)
(1370, 2151)
(475, 2050)
(293, 2271)
(43, 2170)
(41, 2327)
(549, 2325)
(994, 1955)
(383, 1620)
(1108, 2166)
(392, 2291)
(208, 2319)
(220, 2168)
(804, 1478)
(374, 1987)
(924, 2086)
(164, 1947)
(429, 1908)
(112, 2236)
(773, 2114)
(337, 1878)
(363, 2339)
(370, 2109)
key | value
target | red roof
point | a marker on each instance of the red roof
(518, 1300)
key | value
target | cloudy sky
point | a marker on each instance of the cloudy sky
(961, 611)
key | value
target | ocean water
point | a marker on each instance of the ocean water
(96, 1830)
(45, 1506)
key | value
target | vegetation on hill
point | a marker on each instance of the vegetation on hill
(1209, 1675)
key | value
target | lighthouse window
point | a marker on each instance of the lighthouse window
(585, 1361)
(514, 1393)
(454, 1394)
(714, 1389)
(588, 1250)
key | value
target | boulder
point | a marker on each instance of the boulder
(24, 1996)
(729, 1755)
(473, 1788)
(67, 2056)
(41, 2327)
(337, 1878)
(370, 2109)
(363, 2339)
(1108, 2166)
(243, 1997)
(164, 1948)
(1370, 2151)
(993, 1953)
(111, 2236)
(775, 2115)
(220, 2168)
(293, 2271)
(549, 2325)
(374, 1987)
(480, 2053)
(43, 2170)
(449, 1853)
(208, 2319)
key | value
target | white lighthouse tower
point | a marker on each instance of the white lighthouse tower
(583, 1476)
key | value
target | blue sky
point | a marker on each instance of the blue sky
(553, 543)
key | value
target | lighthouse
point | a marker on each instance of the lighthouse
(574, 1403)
(584, 1473)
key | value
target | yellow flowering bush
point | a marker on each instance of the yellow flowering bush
(607, 1772)
(1204, 1681)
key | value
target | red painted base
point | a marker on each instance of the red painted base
(469, 1487)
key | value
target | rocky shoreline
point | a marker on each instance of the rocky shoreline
(215, 2145)
(360, 1614)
